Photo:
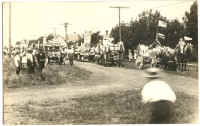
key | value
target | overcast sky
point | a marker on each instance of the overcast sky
(33, 19)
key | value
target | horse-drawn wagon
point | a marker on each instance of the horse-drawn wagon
(53, 52)
(110, 54)
(113, 55)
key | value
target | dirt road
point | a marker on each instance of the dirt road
(103, 80)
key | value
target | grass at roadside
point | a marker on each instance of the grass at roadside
(193, 74)
(55, 75)
(120, 108)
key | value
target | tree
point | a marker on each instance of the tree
(32, 43)
(50, 37)
(191, 25)
(95, 37)
(173, 32)
(141, 31)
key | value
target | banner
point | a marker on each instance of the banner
(159, 35)
(187, 38)
(162, 24)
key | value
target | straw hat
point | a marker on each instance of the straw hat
(152, 73)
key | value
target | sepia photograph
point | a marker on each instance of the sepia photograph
(100, 62)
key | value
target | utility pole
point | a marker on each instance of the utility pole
(10, 22)
(66, 25)
(119, 9)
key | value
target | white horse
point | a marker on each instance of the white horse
(24, 61)
(142, 53)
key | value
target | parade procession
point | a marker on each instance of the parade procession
(100, 62)
(27, 55)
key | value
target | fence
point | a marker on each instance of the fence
(188, 67)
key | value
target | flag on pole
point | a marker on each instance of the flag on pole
(159, 35)
(187, 38)
(162, 24)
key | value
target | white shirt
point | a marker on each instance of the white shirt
(181, 44)
(17, 60)
(157, 90)
(29, 56)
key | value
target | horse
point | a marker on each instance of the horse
(183, 54)
(24, 61)
(143, 56)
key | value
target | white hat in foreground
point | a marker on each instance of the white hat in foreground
(156, 91)
(152, 72)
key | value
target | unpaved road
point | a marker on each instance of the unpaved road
(103, 80)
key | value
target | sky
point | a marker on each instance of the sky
(30, 20)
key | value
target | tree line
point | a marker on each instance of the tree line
(143, 30)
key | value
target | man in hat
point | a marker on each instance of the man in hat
(160, 95)
(70, 54)
(42, 61)
(30, 62)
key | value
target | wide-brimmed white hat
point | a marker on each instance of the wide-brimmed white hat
(152, 72)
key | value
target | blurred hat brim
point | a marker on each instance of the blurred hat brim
(151, 76)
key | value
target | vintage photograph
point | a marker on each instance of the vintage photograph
(100, 62)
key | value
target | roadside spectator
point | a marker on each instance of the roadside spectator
(42, 61)
(160, 96)
(130, 55)
(70, 53)
(30, 61)
(17, 61)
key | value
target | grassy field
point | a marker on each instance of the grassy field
(112, 108)
(120, 108)
(55, 75)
